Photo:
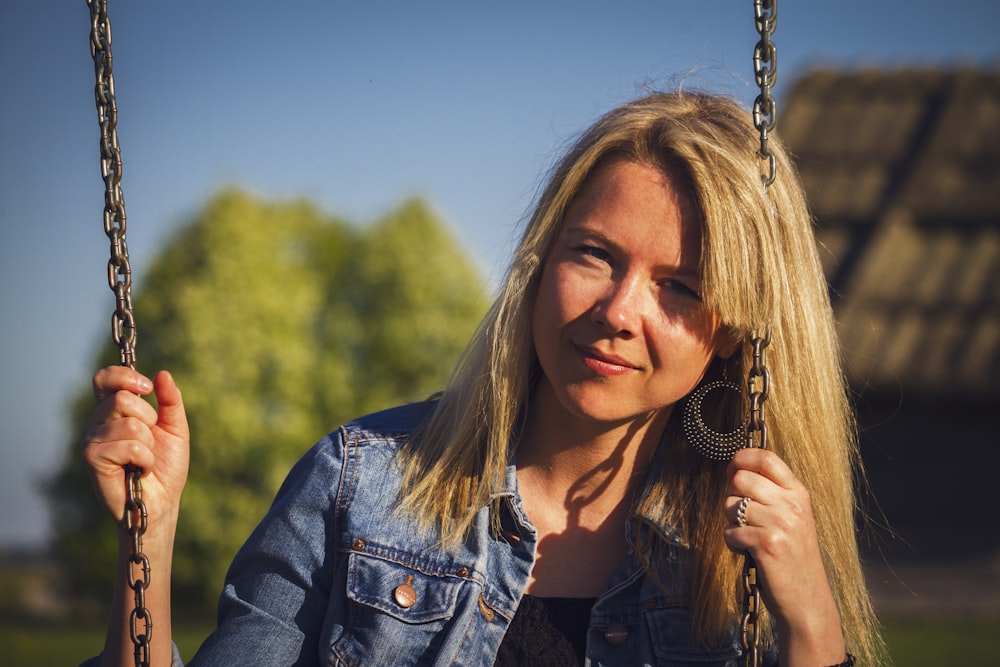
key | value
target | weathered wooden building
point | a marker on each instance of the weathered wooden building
(902, 170)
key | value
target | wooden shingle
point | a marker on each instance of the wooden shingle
(902, 171)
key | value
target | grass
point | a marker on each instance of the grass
(950, 643)
(37, 645)
(925, 643)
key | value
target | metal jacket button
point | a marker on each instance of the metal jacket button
(485, 610)
(616, 634)
(405, 594)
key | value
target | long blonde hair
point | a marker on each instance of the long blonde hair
(760, 268)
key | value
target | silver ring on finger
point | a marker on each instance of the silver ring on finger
(741, 512)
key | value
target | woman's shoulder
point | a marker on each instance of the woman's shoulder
(364, 444)
(374, 438)
(389, 423)
(386, 428)
(355, 463)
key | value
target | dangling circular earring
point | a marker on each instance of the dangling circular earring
(706, 441)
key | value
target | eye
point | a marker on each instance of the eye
(681, 288)
(596, 252)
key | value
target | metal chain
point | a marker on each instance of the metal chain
(119, 269)
(765, 67)
(758, 387)
(135, 522)
(122, 321)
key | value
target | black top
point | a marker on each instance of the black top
(546, 632)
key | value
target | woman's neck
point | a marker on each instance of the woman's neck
(577, 479)
(599, 461)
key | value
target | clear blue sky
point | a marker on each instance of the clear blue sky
(355, 105)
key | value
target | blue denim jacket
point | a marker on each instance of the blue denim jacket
(336, 575)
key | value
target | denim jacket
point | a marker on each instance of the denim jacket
(336, 575)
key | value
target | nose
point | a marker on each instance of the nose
(619, 310)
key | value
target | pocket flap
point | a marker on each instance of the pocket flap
(405, 593)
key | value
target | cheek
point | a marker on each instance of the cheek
(691, 340)
(543, 319)
(704, 330)
(562, 296)
(558, 304)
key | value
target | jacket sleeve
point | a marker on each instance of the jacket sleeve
(277, 589)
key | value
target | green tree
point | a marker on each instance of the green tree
(278, 323)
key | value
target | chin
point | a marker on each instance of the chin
(600, 410)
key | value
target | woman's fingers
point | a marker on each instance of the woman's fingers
(779, 505)
(120, 405)
(761, 528)
(170, 406)
(769, 514)
(119, 378)
(118, 391)
(770, 517)
(126, 430)
(765, 463)
(108, 448)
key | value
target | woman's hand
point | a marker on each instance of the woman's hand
(126, 430)
(780, 533)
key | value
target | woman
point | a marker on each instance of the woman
(548, 506)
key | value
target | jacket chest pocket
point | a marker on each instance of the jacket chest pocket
(673, 642)
(396, 615)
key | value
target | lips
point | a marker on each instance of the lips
(604, 363)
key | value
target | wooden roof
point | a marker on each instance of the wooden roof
(902, 170)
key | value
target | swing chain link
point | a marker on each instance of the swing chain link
(135, 522)
(750, 627)
(758, 387)
(765, 118)
(123, 320)
(765, 69)
(119, 268)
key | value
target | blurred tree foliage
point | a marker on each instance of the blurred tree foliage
(279, 323)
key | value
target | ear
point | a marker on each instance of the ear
(727, 342)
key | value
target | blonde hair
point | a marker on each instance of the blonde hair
(760, 268)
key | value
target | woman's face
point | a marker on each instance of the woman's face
(618, 323)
